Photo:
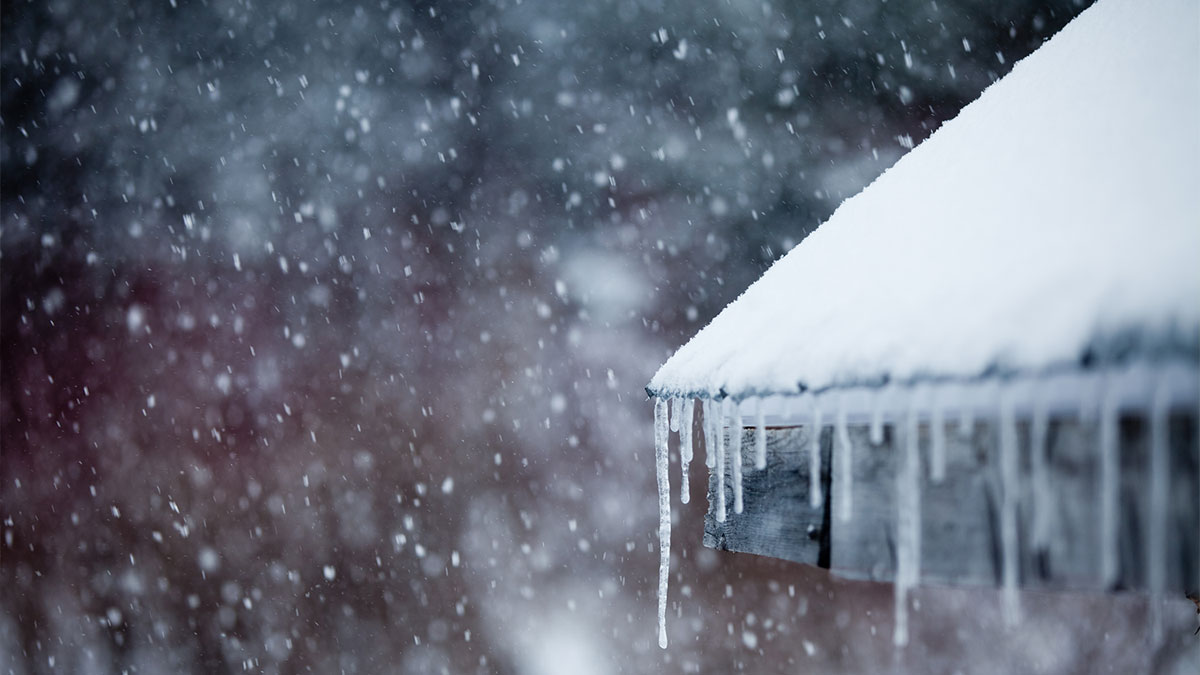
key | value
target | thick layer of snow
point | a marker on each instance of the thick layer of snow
(1058, 213)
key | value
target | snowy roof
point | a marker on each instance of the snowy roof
(1054, 221)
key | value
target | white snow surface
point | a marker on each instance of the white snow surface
(1058, 210)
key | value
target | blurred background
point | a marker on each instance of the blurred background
(325, 328)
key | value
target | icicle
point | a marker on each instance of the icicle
(710, 436)
(1156, 561)
(937, 440)
(1043, 497)
(735, 450)
(719, 432)
(900, 636)
(877, 418)
(664, 515)
(1110, 468)
(815, 498)
(1008, 506)
(687, 409)
(913, 469)
(908, 526)
(675, 404)
(760, 435)
(966, 419)
(845, 454)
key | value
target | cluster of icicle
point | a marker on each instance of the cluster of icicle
(677, 415)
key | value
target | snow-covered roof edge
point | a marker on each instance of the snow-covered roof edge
(1181, 357)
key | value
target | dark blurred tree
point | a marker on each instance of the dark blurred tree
(274, 273)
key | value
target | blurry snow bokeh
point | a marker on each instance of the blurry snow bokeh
(325, 327)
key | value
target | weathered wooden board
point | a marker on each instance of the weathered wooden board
(778, 520)
(960, 516)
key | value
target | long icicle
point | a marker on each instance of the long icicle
(846, 458)
(1043, 496)
(815, 498)
(735, 451)
(760, 434)
(1008, 506)
(719, 432)
(908, 526)
(687, 410)
(913, 459)
(1110, 482)
(1156, 562)
(664, 515)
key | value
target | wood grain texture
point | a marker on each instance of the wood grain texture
(778, 520)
